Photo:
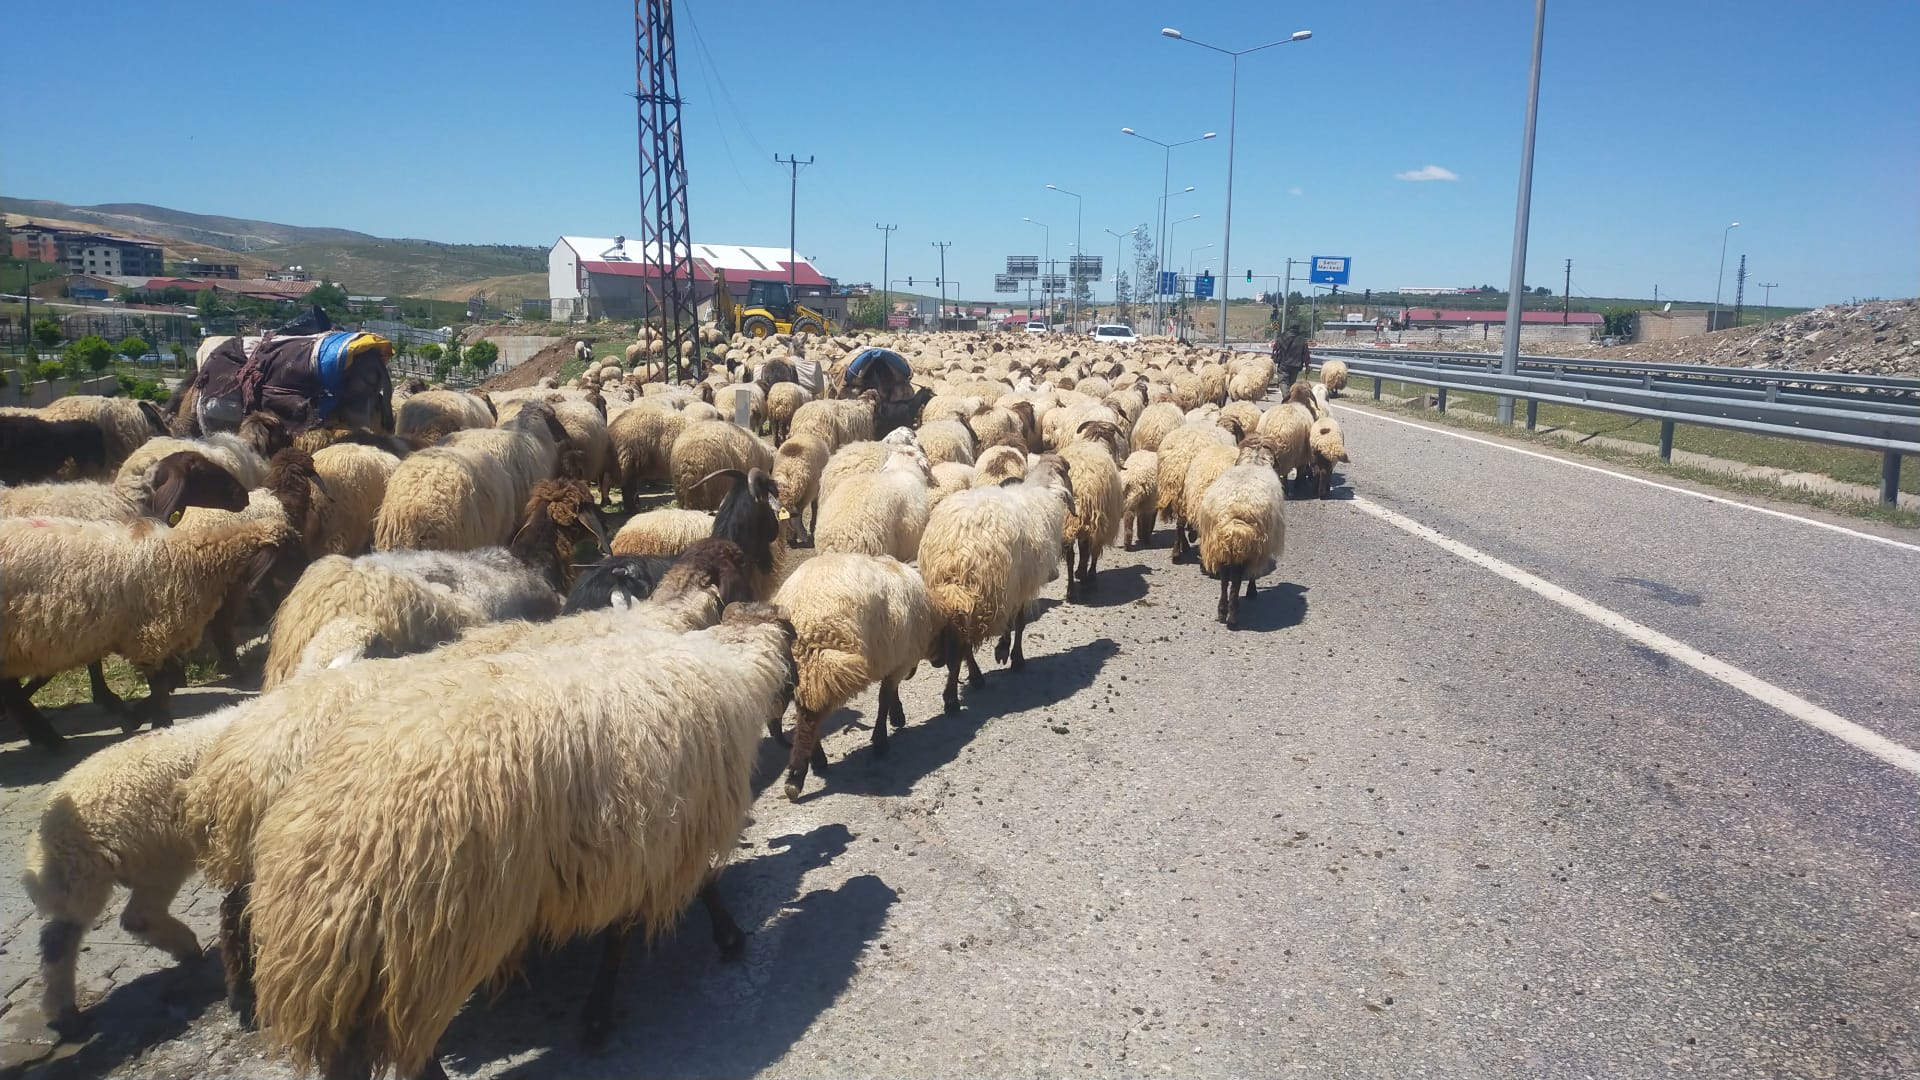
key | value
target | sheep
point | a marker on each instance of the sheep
(176, 482)
(355, 478)
(1177, 451)
(443, 410)
(1094, 521)
(1005, 425)
(709, 446)
(783, 401)
(877, 513)
(528, 444)
(856, 619)
(985, 555)
(998, 463)
(124, 423)
(642, 438)
(34, 449)
(1289, 427)
(1309, 397)
(1155, 421)
(224, 449)
(1206, 465)
(661, 532)
(1242, 526)
(109, 821)
(1333, 375)
(1244, 413)
(1139, 497)
(445, 498)
(749, 516)
(946, 440)
(952, 407)
(622, 768)
(1249, 377)
(797, 468)
(413, 600)
(1327, 446)
(835, 421)
(585, 422)
(79, 591)
(722, 398)
(948, 477)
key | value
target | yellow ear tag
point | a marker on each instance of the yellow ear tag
(783, 514)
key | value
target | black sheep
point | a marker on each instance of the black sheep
(32, 449)
(888, 415)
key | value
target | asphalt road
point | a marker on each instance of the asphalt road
(1410, 820)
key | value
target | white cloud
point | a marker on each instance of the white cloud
(1295, 191)
(1428, 172)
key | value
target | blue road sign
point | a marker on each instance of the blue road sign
(1203, 287)
(1169, 283)
(1330, 269)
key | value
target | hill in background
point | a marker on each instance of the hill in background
(359, 261)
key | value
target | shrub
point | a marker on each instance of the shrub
(481, 355)
(51, 369)
(90, 353)
(46, 333)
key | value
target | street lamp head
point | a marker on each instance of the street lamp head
(1168, 31)
(1186, 189)
(1128, 131)
(1735, 225)
(1050, 187)
(1301, 35)
(1210, 135)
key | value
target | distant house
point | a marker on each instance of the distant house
(291, 273)
(111, 256)
(593, 277)
(1672, 325)
(198, 269)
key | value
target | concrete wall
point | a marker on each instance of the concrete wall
(518, 349)
(45, 393)
(1335, 334)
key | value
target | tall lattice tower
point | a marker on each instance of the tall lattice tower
(666, 238)
(1740, 291)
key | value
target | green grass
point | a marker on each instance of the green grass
(73, 688)
(1839, 462)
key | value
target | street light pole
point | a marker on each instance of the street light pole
(1078, 252)
(1118, 239)
(886, 292)
(943, 245)
(1517, 272)
(1719, 274)
(1160, 234)
(1233, 109)
(1046, 260)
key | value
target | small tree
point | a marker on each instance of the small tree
(133, 348)
(867, 313)
(481, 355)
(90, 353)
(330, 298)
(46, 333)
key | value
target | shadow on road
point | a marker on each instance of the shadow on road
(133, 1018)
(1117, 585)
(1278, 605)
(682, 1012)
(923, 746)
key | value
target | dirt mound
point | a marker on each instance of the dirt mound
(542, 366)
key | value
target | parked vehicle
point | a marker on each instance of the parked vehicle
(1114, 332)
(1036, 328)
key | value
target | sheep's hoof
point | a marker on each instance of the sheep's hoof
(1000, 651)
(819, 759)
(899, 720)
(71, 1025)
(793, 791)
(950, 702)
(52, 742)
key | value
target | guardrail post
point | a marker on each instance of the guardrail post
(1376, 388)
(1443, 399)
(1890, 478)
(1666, 440)
(1533, 413)
(1773, 390)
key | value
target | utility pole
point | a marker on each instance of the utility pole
(1769, 286)
(943, 245)
(1740, 291)
(793, 164)
(1566, 296)
(886, 292)
(1523, 206)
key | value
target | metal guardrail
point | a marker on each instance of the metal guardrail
(1862, 411)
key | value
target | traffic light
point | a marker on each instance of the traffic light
(936, 283)
(909, 283)
(1249, 277)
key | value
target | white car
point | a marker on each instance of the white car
(1116, 333)
(1036, 328)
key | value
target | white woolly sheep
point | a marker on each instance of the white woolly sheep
(642, 438)
(1139, 497)
(176, 482)
(224, 449)
(1177, 452)
(945, 440)
(783, 401)
(1155, 421)
(948, 477)
(616, 770)
(997, 464)
(434, 413)
(1244, 413)
(857, 619)
(1242, 525)
(876, 513)
(985, 555)
(797, 469)
(1094, 521)
(1328, 446)
(709, 446)
(78, 592)
(126, 423)
(1249, 377)
(661, 532)
(1333, 375)
(110, 821)
(354, 478)
(1289, 428)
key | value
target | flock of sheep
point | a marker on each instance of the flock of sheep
(470, 741)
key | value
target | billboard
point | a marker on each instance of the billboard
(1006, 283)
(1330, 269)
(1084, 266)
(1053, 284)
(1023, 266)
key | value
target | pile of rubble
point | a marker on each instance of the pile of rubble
(1880, 337)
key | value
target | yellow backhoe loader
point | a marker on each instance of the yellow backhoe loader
(770, 309)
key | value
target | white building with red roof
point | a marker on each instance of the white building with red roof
(610, 277)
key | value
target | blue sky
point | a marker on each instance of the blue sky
(1660, 122)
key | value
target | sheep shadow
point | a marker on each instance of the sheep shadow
(682, 1012)
(920, 748)
(133, 1017)
(1277, 606)
(1117, 585)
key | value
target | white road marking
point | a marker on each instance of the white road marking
(1721, 499)
(1799, 708)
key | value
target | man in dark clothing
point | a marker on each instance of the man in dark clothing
(1290, 356)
